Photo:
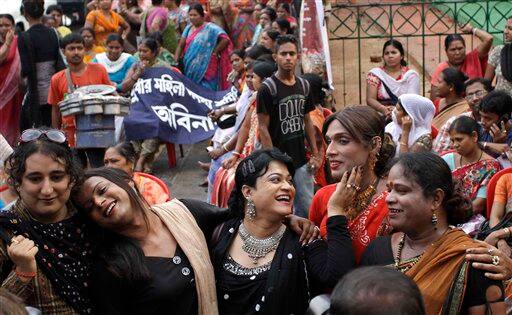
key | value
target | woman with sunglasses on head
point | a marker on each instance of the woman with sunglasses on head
(45, 245)
(151, 259)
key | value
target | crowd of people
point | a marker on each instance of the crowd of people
(397, 206)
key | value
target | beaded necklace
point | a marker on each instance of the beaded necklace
(408, 264)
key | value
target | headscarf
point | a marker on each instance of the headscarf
(421, 110)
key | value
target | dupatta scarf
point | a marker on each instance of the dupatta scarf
(475, 175)
(199, 50)
(183, 227)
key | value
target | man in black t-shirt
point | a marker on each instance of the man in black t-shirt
(283, 107)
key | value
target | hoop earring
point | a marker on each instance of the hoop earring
(251, 209)
(434, 220)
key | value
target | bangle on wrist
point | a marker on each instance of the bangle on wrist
(403, 143)
(484, 145)
(224, 147)
(236, 153)
(474, 30)
(25, 274)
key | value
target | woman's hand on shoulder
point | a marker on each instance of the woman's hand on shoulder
(307, 230)
(22, 252)
(496, 264)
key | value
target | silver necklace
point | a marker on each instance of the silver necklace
(258, 248)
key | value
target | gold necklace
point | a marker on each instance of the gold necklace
(362, 200)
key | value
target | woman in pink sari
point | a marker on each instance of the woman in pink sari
(11, 96)
(205, 48)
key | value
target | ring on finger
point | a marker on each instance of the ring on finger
(490, 250)
(349, 185)
(495, 260)
(357, 188)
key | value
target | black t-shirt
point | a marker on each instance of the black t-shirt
(171, 289)
(379, 252)
(286, 125)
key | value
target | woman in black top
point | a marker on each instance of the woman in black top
(423, 206)
(40, 59)
(260, 266)
(152, 260)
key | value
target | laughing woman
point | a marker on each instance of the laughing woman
(152, 259)
(423, 206)
(45, 249)
(260, 266)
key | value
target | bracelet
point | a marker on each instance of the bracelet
(485, 145)
(474, 30)
(403, 143)
(507, 230)
(224, 147)
(236, 153)
(25, 274)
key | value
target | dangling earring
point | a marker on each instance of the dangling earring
(434, 220)
(372, 161)
(251, 209)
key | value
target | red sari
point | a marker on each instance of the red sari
(11, 96)
(364, 228)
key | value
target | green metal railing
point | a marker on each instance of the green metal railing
(413, 19)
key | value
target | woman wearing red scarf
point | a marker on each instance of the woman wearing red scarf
(10, 66)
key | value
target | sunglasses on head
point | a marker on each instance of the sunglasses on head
(53, 135)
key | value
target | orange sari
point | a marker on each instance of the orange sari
(441, 272)
(150, 190)
(104, 26)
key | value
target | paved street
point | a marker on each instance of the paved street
(184, 179)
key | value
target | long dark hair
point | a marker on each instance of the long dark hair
(431, 172)
(122, 256)
(249, 170)
(363, 123)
